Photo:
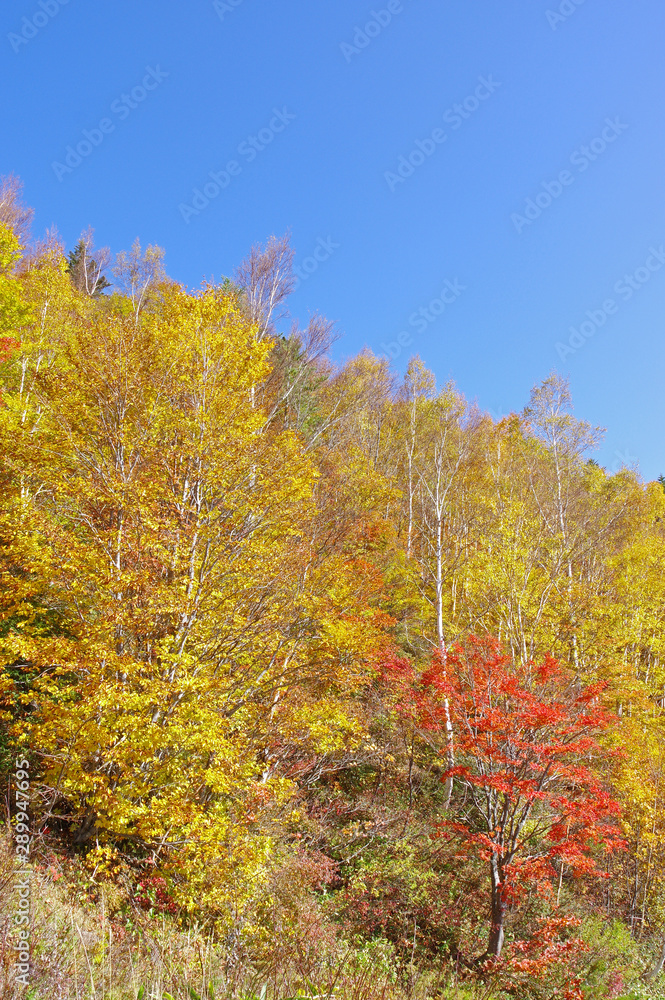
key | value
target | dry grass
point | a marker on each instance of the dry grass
(85, 951)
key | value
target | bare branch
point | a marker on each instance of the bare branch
(266, 278)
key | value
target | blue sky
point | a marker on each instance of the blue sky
(527, 231)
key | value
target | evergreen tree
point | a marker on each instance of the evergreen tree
(87, 272)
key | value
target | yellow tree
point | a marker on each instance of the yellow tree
(170, 521)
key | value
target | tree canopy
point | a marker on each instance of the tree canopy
(262, 615)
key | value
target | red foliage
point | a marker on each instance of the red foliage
(7, 345)
(152, 894)
(525, 746)
(550, 946)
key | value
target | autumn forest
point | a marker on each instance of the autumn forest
(315, 679)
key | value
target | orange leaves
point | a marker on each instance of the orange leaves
(7, 344)
(552, 947)
(521, 748)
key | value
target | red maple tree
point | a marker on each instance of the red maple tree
(525, 753)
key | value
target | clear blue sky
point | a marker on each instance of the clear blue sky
(350, 106)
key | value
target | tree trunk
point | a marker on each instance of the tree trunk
(499, 906)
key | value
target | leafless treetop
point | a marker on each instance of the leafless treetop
(266, 277)
(13, 212)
